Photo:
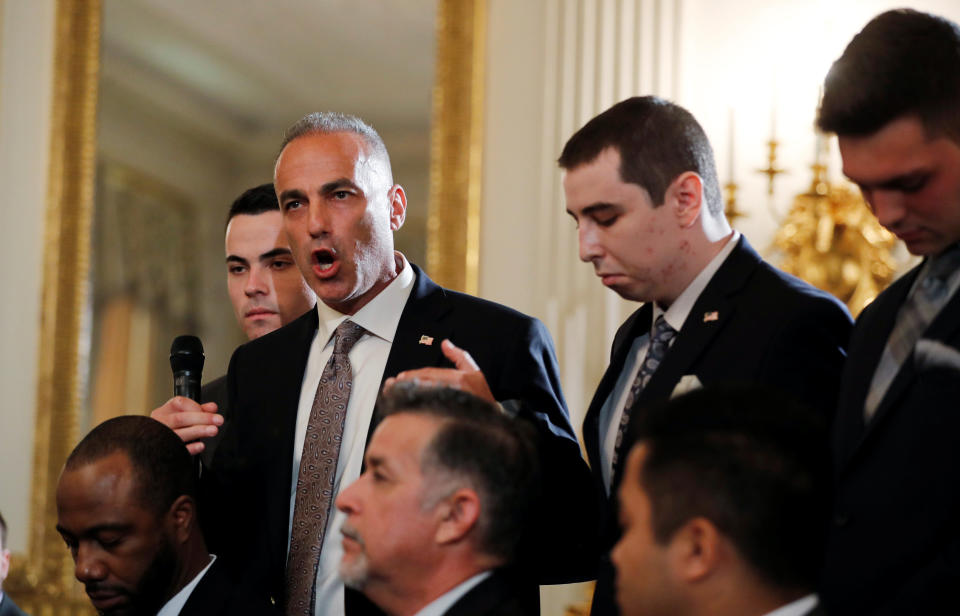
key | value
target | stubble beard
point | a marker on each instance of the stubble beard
(355, 572)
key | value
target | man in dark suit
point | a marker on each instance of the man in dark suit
(126, 508)
(893, 99)
(7, 606)
(264, 284)
(641, 185)
(378, 316)
(439, 511)
(724, 505)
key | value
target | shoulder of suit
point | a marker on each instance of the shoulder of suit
(488, 308)
(795, 292)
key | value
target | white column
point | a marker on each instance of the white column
(26, 86)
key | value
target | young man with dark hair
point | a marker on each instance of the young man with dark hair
(302, 398)
(7, 606)
(126, 508)
(893, 99)
(641, 185)
(265, 286)
(724, 508)
(441, 508)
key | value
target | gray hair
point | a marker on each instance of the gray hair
(328, 122)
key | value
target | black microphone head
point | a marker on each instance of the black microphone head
(186, 353)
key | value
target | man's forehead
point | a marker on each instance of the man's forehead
(345, 152)
(402, 437)
(262, 227)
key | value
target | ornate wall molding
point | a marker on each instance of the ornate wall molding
(456, 145)
(45, 581)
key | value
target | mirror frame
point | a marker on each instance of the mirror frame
(43, 582)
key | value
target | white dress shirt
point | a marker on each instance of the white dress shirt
(675, 315)
(440, 605)
(177, 601)
(368, 358)
(796, 608)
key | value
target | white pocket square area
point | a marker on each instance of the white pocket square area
(930, 354)
(688, 383)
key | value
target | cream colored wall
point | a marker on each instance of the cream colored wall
(26, 75)
(551, 66)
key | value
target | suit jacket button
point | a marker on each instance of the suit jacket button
(840, 520)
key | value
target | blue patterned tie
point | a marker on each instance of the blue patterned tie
(916, 314)
(318, 469)
(660, 342)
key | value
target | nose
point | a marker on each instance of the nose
(887, 206)
(88, 567)
(318, 222)
(257, 281)
(590, 248)
(347, 500)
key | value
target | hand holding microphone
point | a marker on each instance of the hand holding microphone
(182, 413)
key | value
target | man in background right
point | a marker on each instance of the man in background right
(893, 99)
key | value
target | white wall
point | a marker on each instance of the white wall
(26, 79)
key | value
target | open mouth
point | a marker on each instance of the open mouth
(325, 263)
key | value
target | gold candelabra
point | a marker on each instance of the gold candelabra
(832, 240)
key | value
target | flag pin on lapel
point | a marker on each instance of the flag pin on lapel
(713, 315)
(426, 340)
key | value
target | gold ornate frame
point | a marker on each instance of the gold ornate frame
(43, 583)
(456, 145)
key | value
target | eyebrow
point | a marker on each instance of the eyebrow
(99, 528)
(276, 252)
(894, 183)
(594, 209)
(338, 184)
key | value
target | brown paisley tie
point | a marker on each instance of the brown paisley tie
(318, 468)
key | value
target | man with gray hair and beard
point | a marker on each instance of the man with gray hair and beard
(437, 515)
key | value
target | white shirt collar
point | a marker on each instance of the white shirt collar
(380, 315)
(176, 603)
(678, 311)
(440, 605)
(796, 608)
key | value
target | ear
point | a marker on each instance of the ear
(398, 206)
(457, 516)
(4, 564)
(695, 550)
(181, 517)
(685, 195)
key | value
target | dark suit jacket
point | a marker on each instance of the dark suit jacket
(9, 608)
(220, 593)
(893, 545)
(770, 328)
(214, 391)
(254, 462)
(494, 596)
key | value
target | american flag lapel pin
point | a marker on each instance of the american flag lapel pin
(426, 340)
(713, 315)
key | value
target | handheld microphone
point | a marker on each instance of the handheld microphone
(186, 360)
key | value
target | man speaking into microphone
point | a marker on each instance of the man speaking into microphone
(302, 397)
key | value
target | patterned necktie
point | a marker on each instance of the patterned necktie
(660, 341)
(921, 307)
(318, 468)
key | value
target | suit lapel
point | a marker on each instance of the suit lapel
(637, 325)
(421, 329)
(710, 313)
(289, 362)
(422, 319)
(942, 328)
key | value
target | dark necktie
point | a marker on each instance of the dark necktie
(660, 340)
(318, 469)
